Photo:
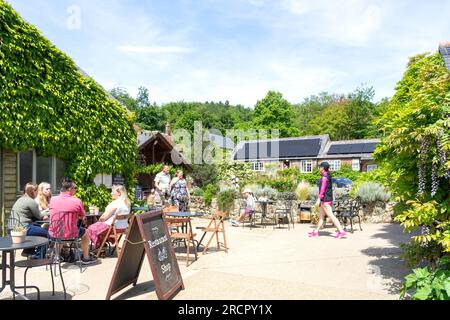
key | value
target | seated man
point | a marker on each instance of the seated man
(67, 202)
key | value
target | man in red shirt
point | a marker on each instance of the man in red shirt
(70, 209)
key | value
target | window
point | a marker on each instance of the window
(335, 165)
(257, 166)
(103, 178)
(306, 166)
(371, 167)
(36, 169)
(356, 165)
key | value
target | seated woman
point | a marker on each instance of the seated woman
(249, 208)
(43, 200)
(26, 210)
(119, 206)
(44, 196)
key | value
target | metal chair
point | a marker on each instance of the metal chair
(52, 258)
(71, 238)
(348, 210)
(284, 215)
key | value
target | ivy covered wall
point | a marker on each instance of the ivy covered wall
(47, 105)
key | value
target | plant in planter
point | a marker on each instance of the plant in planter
(225, 200)
(18, 234)
(302, 193)
(266, 193)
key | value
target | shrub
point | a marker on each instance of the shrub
(425, 285)
(302, 191)
(338, 193)
(311, 178)
(287, 196)
(370, 192)
(284, 184)
(210, 192)
(266, 192)
(313, 193)
(225, 199)
(288, 172)
(197, 192)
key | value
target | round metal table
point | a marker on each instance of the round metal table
(184, 214)
(264, 204)
(7, 247)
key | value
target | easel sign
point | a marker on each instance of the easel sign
(148, 235)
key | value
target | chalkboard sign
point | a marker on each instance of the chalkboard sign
(148, 235)
(118, 179)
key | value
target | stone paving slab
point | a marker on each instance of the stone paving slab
(262, 263)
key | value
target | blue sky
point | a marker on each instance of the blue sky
(237, 50)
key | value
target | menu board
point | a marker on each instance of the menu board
(148, 236)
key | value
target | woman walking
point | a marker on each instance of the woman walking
(325, 200)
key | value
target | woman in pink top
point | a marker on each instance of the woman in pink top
(325, 200)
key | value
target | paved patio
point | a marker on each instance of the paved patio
(262, 263)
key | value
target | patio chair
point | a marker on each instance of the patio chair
(350, 210)
(70, 238)
(186, 236)
(113, 236)
(52, 258)
(219, 227)
(284, 216)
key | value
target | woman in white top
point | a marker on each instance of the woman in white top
(249, 208)
(119, 206)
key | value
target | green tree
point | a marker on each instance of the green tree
(143, 98)
(359, 112)
(415, 154)
(122, 95)
(310, 109)
(331, 121)
(274, 112)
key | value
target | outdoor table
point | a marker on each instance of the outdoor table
(7, 247)
(184, 215)
(92, 218)
(264, 204)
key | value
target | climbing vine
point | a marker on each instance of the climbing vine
(415, 154)
(48, 105)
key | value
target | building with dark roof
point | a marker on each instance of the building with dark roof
(306, 153)
(444, 50)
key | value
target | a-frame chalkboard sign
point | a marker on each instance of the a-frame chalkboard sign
(148, 235)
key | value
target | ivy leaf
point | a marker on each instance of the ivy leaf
(422, 293)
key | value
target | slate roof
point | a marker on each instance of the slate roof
(362, 149)
(221, 141)
(291, 148)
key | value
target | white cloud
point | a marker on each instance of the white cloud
(154, 49)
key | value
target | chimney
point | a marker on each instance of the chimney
(168, 129)
(444, 50)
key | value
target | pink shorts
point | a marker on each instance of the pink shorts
(326, 202)
(248, 212)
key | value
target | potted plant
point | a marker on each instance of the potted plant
(18, 234)
(302, 193)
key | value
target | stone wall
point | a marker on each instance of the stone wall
(375, 213)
